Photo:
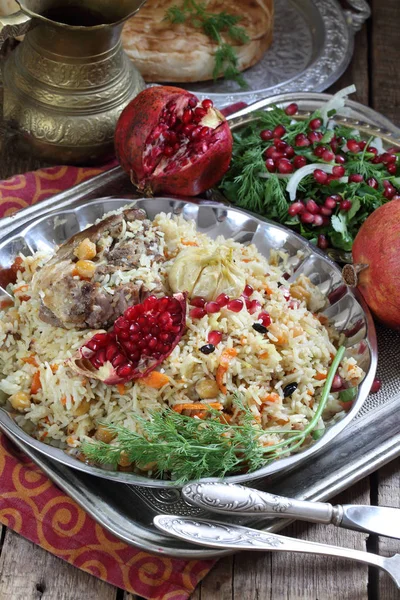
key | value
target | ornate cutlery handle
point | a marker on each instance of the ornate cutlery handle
(240, 500)
(359, 13)
(235, 537)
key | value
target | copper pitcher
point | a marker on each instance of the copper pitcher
(67, 82)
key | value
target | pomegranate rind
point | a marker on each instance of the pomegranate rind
(80, 363)
(136, 123)
(377, 244)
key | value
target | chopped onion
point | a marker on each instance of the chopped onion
(377, 142)
(337, 103)
(295, 179)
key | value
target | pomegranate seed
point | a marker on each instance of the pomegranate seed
(266, 134)
(200, 112)
(306, 217)
(326, 221)
(315, 136)
(207, 103)
(322, 242)
(253, 306)
(168, 151)
(196, 133)
(312, 207)
(192, 101)
(279, 131)
(280, 145)
(204, 131)
(389, 192)
(198, 301)
(372, 150)
(376, 160)
(340, 159)
(235, 305)
(295, 208)
(265, 319)
(270, 164)
(337, 382)
(387, 158)
(212, 307)
(285, 166)
(356, 178)
(291, 109)
(299, 161)
(222, 299)
(318, 220)
(353, 146)
(362, 145)
(330, 202)
(197, 313)
(320, 176)
(315, 124)
(214, 337)
(187, 116)
(328, 156)
(325, 211)
(338, 171)
(319, 150)
(334, 145)
(289, 151)
(372, 182)
(301, 140)
(386, 183)
(376, 386)
(395, 197)
(345, 205)
(392, 169)
(248, 290)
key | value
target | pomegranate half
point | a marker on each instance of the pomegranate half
(171, 143)
(137, 343)
(376, 263)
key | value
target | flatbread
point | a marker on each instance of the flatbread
(180, 52)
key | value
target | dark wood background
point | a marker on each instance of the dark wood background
(29, 573)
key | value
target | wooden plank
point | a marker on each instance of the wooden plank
(27, 572)
(357, 72)
(388, 495)
(218, 583)
(271, 576)
(385, 60)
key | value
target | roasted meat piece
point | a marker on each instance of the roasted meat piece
(81, 302)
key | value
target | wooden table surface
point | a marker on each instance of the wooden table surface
(29, 573)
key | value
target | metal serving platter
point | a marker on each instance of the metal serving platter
(346, 310)
(312, 45)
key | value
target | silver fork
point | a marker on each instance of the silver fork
(235, 537)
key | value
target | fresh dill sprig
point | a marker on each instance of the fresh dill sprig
(218, 27)
(186, 448)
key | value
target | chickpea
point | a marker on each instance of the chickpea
(124, 460)
(103, 434)
(85, 269)
(86, 250)
(207, 389)
(20, 401)
(82, 409)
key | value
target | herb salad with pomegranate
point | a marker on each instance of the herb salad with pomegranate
(315, 175)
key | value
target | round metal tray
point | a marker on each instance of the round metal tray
(312, 46)
(346, 309)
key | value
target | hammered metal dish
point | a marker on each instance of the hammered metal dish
(346, 310)
(313, 43)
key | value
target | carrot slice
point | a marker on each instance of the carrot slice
(196, 406)
(225, 359)
(6, 303)
(320, 376)
(36, 383)
(121, 388)
(155, 380)
(30, 360)
(272, 397)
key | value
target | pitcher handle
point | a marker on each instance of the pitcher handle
(12, 26)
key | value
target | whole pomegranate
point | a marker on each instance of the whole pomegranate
(376, 263)
(137, 343)
(171, 143)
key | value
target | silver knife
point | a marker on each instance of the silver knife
(236, 537)
(233, 499)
